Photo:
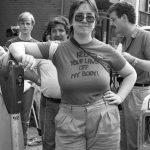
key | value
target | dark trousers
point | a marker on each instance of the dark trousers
(25, 111)
(48, 110)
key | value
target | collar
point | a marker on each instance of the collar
(133, 36)
(24, 39)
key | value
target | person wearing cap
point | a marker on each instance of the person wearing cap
(57, 29)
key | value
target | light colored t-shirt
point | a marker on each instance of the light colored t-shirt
(82, 79)
(49, 80)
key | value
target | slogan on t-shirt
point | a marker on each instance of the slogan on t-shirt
(83, 61)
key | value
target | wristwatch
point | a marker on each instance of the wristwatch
(134, 62)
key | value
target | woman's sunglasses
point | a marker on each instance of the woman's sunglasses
(80, 17)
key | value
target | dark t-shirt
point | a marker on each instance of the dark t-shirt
(17, 39)
(29, 74)
(140, 48)
(82, 79)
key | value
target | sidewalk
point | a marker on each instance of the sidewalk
(34, 140)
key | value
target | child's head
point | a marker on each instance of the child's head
(24, 17)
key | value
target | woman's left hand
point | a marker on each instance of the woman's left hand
(112, 98)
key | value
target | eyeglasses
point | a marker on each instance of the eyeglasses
(80, 17)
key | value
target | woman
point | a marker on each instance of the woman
(88, 117)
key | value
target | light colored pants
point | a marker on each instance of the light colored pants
(131, 113)
(90, 127)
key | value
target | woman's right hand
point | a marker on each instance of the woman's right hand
(28, 62)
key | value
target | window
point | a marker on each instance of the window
(147, 6)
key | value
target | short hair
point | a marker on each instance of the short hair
(58, 20)
(24, 16)
(76, 4)
(124, 8)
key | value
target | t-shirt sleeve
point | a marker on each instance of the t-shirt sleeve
(47, 49)
(114, 58)
(44, 49)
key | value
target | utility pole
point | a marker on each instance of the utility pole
(62, 7)
(137, 11)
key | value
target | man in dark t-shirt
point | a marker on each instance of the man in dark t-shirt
(25, 23)
(136, 50)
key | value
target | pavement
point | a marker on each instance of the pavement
(34, 140)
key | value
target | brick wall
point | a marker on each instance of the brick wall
(43, 10)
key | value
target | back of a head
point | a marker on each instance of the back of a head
(58, 20)
(25, 16)
(122, 8)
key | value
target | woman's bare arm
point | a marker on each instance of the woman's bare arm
(130, 76)
(18, 49)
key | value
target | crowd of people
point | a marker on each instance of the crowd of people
(70, 69)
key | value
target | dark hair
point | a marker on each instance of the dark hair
(45, 34)
(124, 8)
(58, 20)
(76, 5)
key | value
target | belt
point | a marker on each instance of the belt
(54, 100)
(120, 79)
(142, 85)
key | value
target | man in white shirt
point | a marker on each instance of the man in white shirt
(58, 29)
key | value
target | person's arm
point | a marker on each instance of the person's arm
(139, 63)
(24, 52)
(143, 64)
(18, 50)
(129, 78)
(4, 57)
(32, 76)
